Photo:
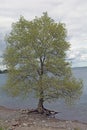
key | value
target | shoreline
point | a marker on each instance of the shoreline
(18, 120)
(20, 110)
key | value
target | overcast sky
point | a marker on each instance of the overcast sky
(71, 12)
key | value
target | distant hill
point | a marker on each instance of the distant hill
(3, 71)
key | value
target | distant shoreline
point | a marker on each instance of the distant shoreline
(79, 67)
(3, 71)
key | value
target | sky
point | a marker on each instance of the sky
(71, 12)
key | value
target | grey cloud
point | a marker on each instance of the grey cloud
(76, 55)
(71, 12)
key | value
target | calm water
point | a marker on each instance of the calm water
(75, 112)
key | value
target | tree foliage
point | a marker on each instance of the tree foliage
(36, 59)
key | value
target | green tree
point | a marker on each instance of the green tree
(36, 59)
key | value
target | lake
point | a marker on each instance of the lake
(75, 112)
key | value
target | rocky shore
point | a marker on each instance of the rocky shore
(19, 120)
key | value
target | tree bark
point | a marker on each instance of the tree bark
(41, 99)
(40, 106)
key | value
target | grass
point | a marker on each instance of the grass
(77, 129)
(1, 128)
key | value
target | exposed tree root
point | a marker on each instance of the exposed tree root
(44, 111)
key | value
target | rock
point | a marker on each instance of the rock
(47, 125)
(15, 123)
(34, 123)
(11, 128)
(6, 121)
(43, 121)
(25, 124)
(24, 111)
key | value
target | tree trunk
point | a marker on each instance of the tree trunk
(40, 106)
(41, 99)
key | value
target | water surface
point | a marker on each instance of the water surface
(75, 112)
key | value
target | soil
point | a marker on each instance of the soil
(11, 119)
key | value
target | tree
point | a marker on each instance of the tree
(36, 59)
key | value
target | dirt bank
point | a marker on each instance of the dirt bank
(18, 120)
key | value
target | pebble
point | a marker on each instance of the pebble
(43, 121)
(15, 123)
(24, 124)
